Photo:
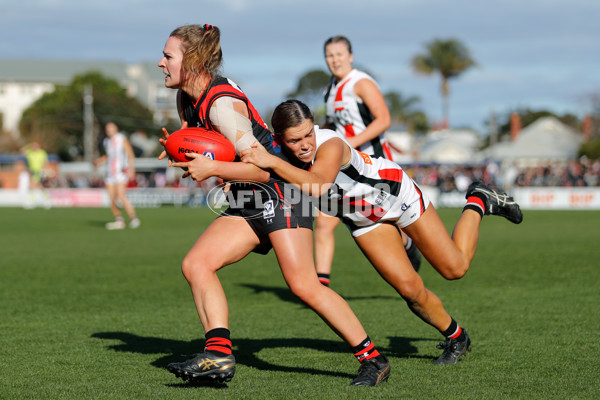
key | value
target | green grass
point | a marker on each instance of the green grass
(88, 313)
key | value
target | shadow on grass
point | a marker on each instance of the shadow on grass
(285, 294)
(404, 347)
(96, 223)
(247, 351)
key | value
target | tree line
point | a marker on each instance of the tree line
(56, 119)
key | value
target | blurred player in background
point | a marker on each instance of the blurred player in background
(37, 159)
(356, 109)
(375, 198)
(192, 58)
(120, 169)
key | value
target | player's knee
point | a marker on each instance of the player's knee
(306, 293)
(188, 266)
(411, 289)
(193, 268)
(454, 271)
(324, 228)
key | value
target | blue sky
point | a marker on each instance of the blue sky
(539, 54)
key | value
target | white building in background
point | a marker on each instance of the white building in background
(437, 147)
(450, 147)
(546, 139)
(22, 82)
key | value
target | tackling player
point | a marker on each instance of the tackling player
(375, 199)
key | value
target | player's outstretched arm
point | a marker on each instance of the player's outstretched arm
(201, 168)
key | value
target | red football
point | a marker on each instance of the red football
(199, 140)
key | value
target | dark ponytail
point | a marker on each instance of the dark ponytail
(289, 114)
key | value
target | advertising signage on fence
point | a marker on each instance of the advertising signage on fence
(540, 198)
(558, 198)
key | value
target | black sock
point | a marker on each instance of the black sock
(454, 331)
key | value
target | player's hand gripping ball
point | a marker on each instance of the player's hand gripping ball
(203, 141)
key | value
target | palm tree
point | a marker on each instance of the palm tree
(449, 58)
(404, 110)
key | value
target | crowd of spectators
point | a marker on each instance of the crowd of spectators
(576, 173)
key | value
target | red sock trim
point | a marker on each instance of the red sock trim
(477, 202)
(456, 334)
(367, 353)
(218, 344)
(325, 281)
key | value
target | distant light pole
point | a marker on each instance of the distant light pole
(88, 123)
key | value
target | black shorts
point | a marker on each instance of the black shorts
(270, 207)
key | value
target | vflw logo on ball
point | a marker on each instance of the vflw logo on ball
(208, 154)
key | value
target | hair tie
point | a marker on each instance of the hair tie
(208, 27)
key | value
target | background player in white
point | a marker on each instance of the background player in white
(356, 109)
(379, 198)
(119, 170)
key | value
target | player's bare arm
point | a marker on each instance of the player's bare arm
(316, 182)
(368, 91)
(230, 118)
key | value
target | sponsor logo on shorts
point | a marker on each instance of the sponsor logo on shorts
(381, 197)
(269, 210)
(404, 207)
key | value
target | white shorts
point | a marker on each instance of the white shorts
(410, 205)
(113, 179)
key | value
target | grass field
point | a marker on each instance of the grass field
(93, 314)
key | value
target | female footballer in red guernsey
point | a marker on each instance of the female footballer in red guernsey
(192, 57)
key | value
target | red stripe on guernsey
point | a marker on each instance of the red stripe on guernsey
(338, 105)
(421, 202)
(349, 130)
(367, 353)
(368, 210)
(387, 151)
(456, 334)
(391, 174)
(476, 201)
(287, 213)
(278, 191)
(338, 94)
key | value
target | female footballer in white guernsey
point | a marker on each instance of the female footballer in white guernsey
(357, 110)
(120, 170)
(375, 198)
